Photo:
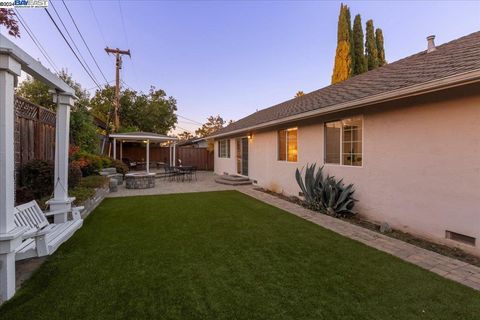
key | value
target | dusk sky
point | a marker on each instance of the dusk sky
(233, 57)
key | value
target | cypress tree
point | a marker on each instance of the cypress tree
(343, 58)
(352, 44)
(360, 63)
(371, 47)
(380, 48)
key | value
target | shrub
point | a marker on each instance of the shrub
(94, 182)
(326, 194)
(81, 194)
(90, 163)
(120, 166)
(37, 176)
(74, 174)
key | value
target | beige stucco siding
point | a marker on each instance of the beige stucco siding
(421, 164)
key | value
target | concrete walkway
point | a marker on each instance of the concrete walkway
(456, 270)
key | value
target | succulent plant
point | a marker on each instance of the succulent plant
(325, 194)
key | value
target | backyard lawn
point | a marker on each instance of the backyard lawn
(224, 255)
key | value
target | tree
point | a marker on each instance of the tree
(343, 58)
(371, 47)
(299, 94)
(37, 92)
(352, 44)
(152, 111)
(185, 135)
(7, 19)
(213, 124)
(380, 47)
(360, 63)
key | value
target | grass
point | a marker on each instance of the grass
(223, 255)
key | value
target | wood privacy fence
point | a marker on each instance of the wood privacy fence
(34, 132)
(199, 157)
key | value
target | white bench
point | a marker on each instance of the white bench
(43, 238)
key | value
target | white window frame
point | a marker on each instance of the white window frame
(286, 146)
(227, 151)
(341, 143)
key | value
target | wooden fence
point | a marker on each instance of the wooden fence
(34, 132)
(199, 157)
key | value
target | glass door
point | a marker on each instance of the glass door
(242, 156)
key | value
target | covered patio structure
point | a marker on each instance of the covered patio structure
(146, 138)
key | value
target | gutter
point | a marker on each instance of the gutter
(415, 90)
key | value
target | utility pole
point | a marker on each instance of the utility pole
(118, 55)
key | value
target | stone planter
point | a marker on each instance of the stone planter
(139, 180)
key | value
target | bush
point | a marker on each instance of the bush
(120, 166)
(94, 182)
(90, 163)
(326, 194)
(37, 176)
(81, 194)
(74, 174)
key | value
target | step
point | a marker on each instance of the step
(233, 177)
(230, 182)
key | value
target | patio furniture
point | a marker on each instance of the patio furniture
(43, 238)
(131, 164)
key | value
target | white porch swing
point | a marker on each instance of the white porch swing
(24, 230)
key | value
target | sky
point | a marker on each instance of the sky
(231, 57)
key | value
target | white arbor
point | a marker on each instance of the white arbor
(12, 61)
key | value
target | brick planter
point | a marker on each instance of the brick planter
(139, 180)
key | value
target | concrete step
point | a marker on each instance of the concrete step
(233, 182)
(233, 177)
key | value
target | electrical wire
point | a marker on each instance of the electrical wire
(85, 42)
(73, 51)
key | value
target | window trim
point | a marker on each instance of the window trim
(341, 144)
(278, 149)
(228, 149)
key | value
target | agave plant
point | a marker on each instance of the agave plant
(326, 194)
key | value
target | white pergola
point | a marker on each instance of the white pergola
(12, 61)
(143, 137)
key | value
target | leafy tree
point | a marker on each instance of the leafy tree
(213, 124)
(380, 47)
(352, 44)
(360, 63)
(7, 19)
(185, 135)
(152, 111)
(299, 94)
(371, 47)
(37, 92)
(343, 58)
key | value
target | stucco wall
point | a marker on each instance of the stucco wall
(421, 163)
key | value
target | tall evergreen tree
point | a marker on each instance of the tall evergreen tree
(352, 45)
(360, 62)
(371, 46)
(343, 58)
(380, 47)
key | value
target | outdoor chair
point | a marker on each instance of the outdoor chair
(131, 164)
(43, 238)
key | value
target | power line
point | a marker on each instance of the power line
(35, 40)
(74, 44)
(196, 122)
(98, 23)
(84, 42)
(73, 51)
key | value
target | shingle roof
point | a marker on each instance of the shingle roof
(455, 57)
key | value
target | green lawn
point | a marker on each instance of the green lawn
(223, 255)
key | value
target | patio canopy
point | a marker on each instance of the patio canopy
(145, 137)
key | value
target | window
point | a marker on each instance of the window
(287, 145)
(343, 142)
(224, 148)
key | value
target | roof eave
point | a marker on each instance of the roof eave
(415, 90)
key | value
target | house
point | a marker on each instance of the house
(193, 143)
(407, 135)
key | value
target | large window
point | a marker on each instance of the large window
(224, 148)
(287, 145)
(343, 142)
